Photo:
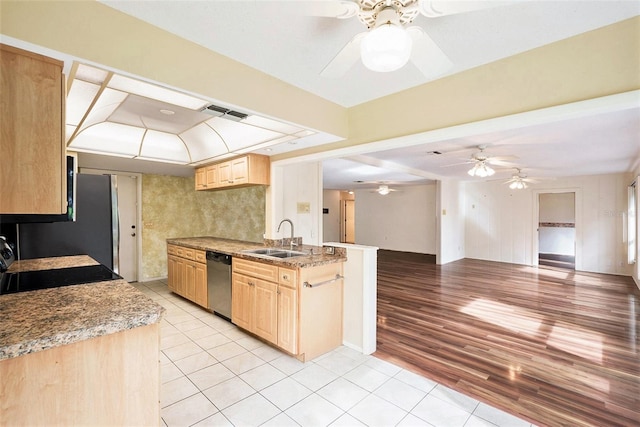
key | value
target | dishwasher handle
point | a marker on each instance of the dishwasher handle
(219, 257)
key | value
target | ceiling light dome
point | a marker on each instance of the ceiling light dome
(481, 169)
(383, 190)
(386, 48)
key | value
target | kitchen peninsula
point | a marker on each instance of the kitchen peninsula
(294, 303)
(82, 354)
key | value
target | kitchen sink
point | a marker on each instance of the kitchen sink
(274, 252)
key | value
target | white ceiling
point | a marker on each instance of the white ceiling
(281, 39)
(278, 38)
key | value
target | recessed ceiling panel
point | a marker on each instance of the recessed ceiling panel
(109, 138)
(79, 99)
(272, 125)
(203, 143)
(91, 74)
(151, 114)
(106, 104)
(164, 146)
(155, 92)
(238, 135)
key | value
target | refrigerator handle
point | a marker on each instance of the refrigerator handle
(115, 224)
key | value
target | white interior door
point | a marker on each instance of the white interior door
(127, 209)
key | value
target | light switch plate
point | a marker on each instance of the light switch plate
(304, 207)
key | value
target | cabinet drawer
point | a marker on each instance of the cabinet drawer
(172, 250)
(256, 269)
(287, 277)
(199, 256)
(189, 253)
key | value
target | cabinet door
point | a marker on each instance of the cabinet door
(190, 280)
(288, 319)
(201, 179)
(201, 295)
(171, 272)
(224, 174)
(32, 146)
(180, 273)
(265, 320)
(239, 170)
(211, 176)
(242, 301)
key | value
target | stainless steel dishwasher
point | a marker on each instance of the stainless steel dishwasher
(219, 283)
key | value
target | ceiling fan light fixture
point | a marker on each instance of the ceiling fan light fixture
(481, 170)
(383, 190)
(518, 184)
(386, 48)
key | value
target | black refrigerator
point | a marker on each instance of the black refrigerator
(93, 233)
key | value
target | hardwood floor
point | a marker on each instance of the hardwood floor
(555, 347)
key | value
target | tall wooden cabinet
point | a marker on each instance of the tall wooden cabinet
(32, 97)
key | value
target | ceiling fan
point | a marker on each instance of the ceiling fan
(383, 190)
(481, 163)
(519, 180)
(388, 44)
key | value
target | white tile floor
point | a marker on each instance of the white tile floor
(213, 374)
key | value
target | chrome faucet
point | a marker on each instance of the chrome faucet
(290, 223)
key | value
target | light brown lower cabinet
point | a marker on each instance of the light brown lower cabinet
(109, 380)
(187, 273)
(274, 304)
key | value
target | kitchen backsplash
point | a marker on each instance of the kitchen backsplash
(172, 208)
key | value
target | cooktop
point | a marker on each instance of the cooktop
(42, 279)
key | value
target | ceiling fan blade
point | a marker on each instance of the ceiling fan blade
(345, 59)
(436, 8)
(426, 55)
(467, 162)
(501, 163)
(341, 9)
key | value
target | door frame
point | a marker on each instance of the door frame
(138, 209)
(535, 241)
(343, 220)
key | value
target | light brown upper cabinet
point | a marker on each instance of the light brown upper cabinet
(33, 172)
(250, 169)
(207, 177)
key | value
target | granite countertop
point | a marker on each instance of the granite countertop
(235, 248)
(51, 263)
(39, 320)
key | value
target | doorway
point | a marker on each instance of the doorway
(557, 229)
(129, 188)
(347, 221)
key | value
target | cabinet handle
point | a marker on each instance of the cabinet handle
(326, 282)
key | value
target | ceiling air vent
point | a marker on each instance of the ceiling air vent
(216, 110)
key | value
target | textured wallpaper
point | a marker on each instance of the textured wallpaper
(171, 207)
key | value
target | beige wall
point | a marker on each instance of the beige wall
(404, 220)
(499, 222)
(172, 208)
